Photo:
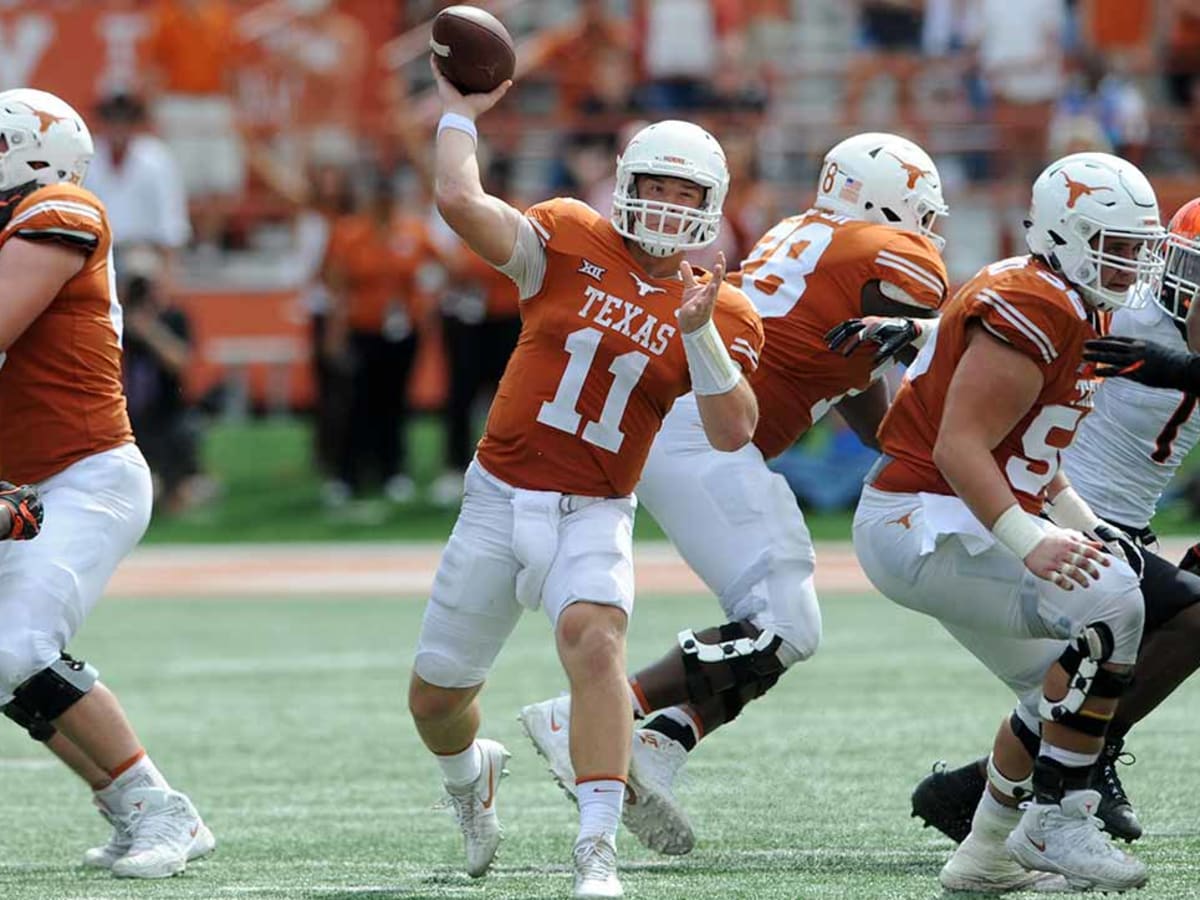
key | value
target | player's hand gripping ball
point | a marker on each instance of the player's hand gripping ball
(472, 49)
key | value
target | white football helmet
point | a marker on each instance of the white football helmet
(42, 139)
(884, 178)
(1083, 202)
(678, 150)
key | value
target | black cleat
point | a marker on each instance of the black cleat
(947, 799)
(1115, 811)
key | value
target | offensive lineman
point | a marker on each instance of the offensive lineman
(947, 524)
(1122, 459)
(63, 425)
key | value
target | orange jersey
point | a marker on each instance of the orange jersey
(598, 364)
(375, 267)
(60, 382)
(805, 276)
(1021, 302)
(194, 49)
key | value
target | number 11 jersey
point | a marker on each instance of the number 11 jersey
(599, 361)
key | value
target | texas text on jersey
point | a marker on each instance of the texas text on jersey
(805, 276)
(61, 397)
(599, 362)
(1023, 303)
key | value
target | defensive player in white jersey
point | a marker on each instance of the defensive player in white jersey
(1121, 461)
(866, 248)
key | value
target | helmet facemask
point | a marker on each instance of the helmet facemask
(1181, 275)
(660, 228)
(1100, 252)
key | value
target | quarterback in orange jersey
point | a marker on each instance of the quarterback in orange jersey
(615, 327)
(867, 247)
(63, 425)
(948, 524)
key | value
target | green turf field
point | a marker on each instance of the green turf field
(285, 720)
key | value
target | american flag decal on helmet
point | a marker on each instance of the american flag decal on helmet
(850, 190)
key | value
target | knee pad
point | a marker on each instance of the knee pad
(741, 666)
(39, 729)
(1085, 678)
(52, 691)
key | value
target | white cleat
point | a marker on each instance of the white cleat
(121, 840)
(651, 812)
(984, 867)
(595, 861)
(475, 808)
(165, 829)
(1067, 838)
(547, 725)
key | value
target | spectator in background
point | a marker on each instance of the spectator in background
(1183, 66)
(1100, 97)
(191, 54)
(680, 52)
(319, 195)
(889, 43)
(575, 54)
(372, 266)
(158, 347)
(481, 320)
(324, 53)
(1019, 44)
(137, 178)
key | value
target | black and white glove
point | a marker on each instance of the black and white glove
(1119, 544)
(1145, 362)
(889, 334)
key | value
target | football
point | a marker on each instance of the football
(472, 49)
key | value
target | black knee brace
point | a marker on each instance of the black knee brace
(742, 666)
(39, 729)
(55, 689)
(1030, 739)
(1082, 662)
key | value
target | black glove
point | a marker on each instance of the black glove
(1191, 560)
(1120, 545)
(1145, 362)
(24, 511)
(889, 334)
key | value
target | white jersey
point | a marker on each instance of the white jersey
(1130, 446)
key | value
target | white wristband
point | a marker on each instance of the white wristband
(709, 364)
(459, 123)
(1017, 531)
(1069, 510)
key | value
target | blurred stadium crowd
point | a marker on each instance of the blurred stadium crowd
(265, 166)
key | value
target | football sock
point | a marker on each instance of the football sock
(600, 801)
(462, 768)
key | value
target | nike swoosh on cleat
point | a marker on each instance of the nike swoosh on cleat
(487, 804)
(1041, 847)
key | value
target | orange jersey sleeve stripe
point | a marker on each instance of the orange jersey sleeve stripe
(1021, 322)
(912, 270)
